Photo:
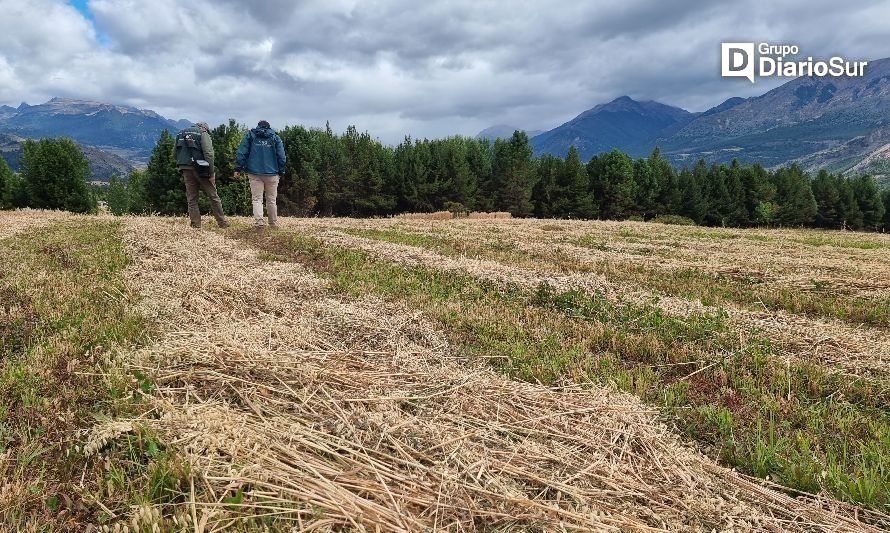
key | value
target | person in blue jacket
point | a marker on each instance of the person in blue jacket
(261, 154)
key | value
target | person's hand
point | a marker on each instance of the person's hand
(212, 180)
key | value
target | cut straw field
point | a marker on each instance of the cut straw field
(460, 375)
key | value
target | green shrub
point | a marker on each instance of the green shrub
(675, 220)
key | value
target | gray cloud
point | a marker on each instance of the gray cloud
(397, 67)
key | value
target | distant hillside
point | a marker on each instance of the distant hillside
(129, 130)
(842, 124)
(833, 122)
(6, 111)
(622, 123)
(503, 131)
(103, 164)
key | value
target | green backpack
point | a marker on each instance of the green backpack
(189, 151)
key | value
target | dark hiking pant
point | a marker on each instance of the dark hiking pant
(194, 184)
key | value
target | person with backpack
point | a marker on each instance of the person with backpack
(261, 154)
(194, 159)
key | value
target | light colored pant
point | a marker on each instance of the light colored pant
(269, 185)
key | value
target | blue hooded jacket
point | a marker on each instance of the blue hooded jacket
(261, 152)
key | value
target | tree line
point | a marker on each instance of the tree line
(352, 174)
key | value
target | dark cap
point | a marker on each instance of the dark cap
(263, 124)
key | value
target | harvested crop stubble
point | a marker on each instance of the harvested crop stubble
(857, 350)
(12, 222)
(333, 414)
(437, 215)
(856, 262)
(782, 255)
(489, 216)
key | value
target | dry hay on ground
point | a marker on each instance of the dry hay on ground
(448, 215)
(781, 257)
(437, 215)
(857, 350)
(489, 216)
(855, 263)
(333, 413)
(12, 222)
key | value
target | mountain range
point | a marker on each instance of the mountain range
(503, 131)
(103, 164)
(841, 124)
(114, 138)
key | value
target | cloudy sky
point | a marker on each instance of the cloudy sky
(402, 67)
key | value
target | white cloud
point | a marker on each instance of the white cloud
(398, 67)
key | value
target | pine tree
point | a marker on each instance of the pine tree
(460, 183)
(736, 211)
(572, 190)
(479, 159)
(836, 205)
(885, 199)
(6, 182)
(694, 204)
(423, 173)
(760, 194)
(794, 197)
(363, 181)
(234, 193)
(849, 215)
(331, 169)
(298, 189)
(612, 180)
(164, 192)
(545, 195)
(136, 192)
(669, 195)
(117, 196)
(717, 195)
(513, 174)
(55, 173)
(647, 189)
(868, 199)
(401, 185)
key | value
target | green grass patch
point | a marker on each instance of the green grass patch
(712, 235)
(674, 220)
(397, 236)
(497, 249)
(841, 241)
(802, 425)
(66, 311)
(747, 289)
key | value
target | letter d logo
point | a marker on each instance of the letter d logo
(737, 60)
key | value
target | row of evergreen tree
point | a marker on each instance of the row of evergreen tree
(355, 175)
